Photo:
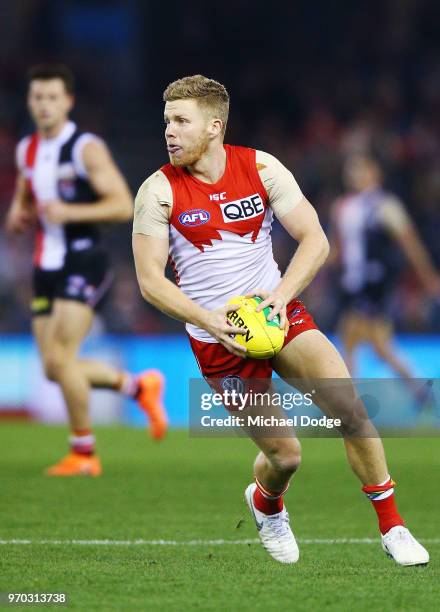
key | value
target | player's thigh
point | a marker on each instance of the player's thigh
(70, 322)
(353, 329)
(40, 327)
(311, 363)
(310, 355)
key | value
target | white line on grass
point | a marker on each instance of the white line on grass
(194, 542)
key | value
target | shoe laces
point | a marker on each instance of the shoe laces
(279, 524)
(404, 535)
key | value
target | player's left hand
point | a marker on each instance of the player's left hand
(278, 305)
(55, 211)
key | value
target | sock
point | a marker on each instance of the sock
(382, 498)
(82, 442)
(127, 384)
(267, 501)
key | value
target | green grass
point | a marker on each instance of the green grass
(185, 489)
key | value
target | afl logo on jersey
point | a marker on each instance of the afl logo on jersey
(192, 218)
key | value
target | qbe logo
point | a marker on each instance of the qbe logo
(241, 210)
(192, 218)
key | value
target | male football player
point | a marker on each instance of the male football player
(210, 209)
(368, 223)
(68, 183)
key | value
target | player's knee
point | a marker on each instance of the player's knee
(54, 365)
(355, 421)
(289, 463)
(286, 458)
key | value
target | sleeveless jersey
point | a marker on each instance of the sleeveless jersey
(220, 234)
(53, 169)
(369, 258)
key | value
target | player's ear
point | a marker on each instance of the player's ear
(215, 127)
(71, 102)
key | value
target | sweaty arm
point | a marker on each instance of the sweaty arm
(153, 205)
(115, 201)
(300, 220)
(398, 223)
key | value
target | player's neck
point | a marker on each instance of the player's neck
(370, 187)
(53, 131)
(211, 166)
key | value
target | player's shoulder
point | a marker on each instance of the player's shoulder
(156, 185)
(388, 197)
(85, 148)
(21, 149)
(267, 160)
(264, 155)
(232, 148)
(391, 212)
(240, 154)
(82, 138)
(24, 142)
(157, 179)
(389, 203)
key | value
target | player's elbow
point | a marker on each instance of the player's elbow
(146, 292)
(321, 247)
(125, 210)
(325, 248)
(148, 288)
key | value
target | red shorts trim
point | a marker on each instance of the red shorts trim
(216, 363)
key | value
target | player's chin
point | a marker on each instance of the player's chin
(177, 162)
(45, 123)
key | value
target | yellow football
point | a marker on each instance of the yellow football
(263, 338)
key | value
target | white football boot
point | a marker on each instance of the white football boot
(274, 531)
(400, 545)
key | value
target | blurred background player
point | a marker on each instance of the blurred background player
(370, 229)
(67, 184)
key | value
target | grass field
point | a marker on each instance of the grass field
(184, 490)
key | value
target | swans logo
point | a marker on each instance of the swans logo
(192, 218)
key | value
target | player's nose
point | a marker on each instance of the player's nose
(169, 132)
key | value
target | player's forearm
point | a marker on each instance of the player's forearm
(309, 257)
(419, 258)
(21, 204)
(106, 210)
(164, 295)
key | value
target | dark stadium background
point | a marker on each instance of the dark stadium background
(309, 81)
(165, 527)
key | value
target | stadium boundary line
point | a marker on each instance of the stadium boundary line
(221, 542)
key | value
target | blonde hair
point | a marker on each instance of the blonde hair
(209, 94)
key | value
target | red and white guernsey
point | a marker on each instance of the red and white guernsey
(219, 234)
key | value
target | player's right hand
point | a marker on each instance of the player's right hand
(18, 221)
(218, 326)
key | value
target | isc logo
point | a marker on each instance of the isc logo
(195, 217)
(215, 197)
(240, 210)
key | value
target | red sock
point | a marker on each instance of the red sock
(82, 442)
(382, 498)
(267, 501)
